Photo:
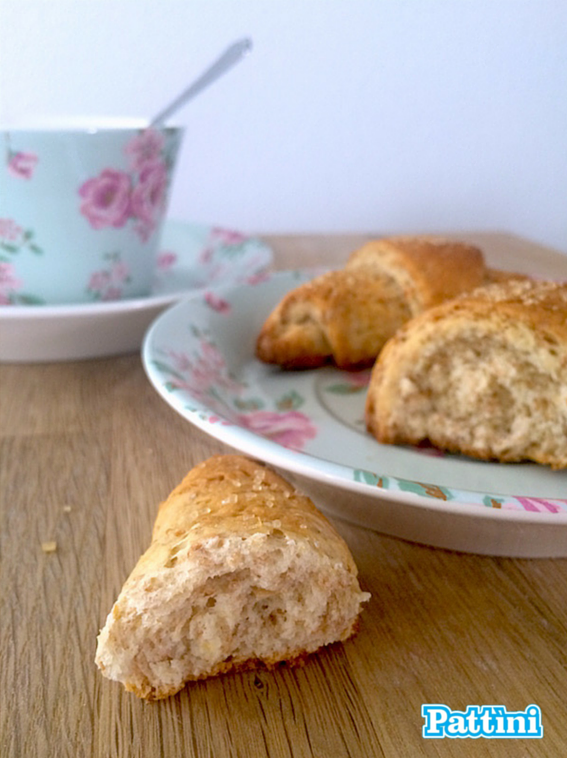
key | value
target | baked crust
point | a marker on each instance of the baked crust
(483, 375)
(341, 316)
(236, 552)
(346, 316)
(429, 269)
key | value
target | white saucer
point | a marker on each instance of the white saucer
(192, 257)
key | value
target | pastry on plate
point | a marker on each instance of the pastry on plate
(242, 571)
(345, 316)
(484, 375)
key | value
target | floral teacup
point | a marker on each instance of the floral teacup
(82, 209)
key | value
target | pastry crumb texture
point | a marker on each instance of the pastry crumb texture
(484, 375)
(243, 572)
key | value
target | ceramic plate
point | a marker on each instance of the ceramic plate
(199, 356)
(192, 257)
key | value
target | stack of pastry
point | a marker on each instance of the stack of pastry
(346, 316)
(471, 359)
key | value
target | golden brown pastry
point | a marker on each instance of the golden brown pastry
(484, 375)
(346, 316)
(428, 269)
(243, 571)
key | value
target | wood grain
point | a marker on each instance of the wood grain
(87, 452)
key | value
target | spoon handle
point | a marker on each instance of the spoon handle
(230, 56)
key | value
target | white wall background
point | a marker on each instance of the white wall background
(352, 115)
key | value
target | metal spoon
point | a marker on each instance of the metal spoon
(227, 60)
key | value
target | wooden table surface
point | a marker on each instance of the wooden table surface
(88, 450)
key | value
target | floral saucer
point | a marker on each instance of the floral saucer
(192, 258)
(200, 358)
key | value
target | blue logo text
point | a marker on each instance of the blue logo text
(492, 721)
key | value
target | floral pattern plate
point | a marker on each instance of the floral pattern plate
(191, 258)
(199, 356)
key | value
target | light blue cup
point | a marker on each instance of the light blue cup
(82, 210)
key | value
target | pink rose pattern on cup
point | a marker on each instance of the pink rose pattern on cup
(111, 199)
(20, 164)
(145, 149)
(14, 240)
(9, 284)
(107, 284)
(106, 199)
(165, 260)
(148, 199)
(116, 197)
